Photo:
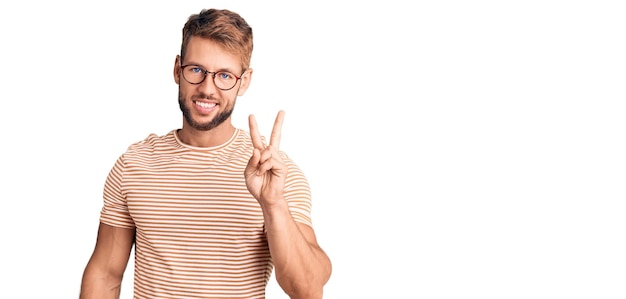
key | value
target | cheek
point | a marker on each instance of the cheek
(185, 90)
(184, 95)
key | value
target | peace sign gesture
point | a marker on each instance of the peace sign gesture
(266, 171)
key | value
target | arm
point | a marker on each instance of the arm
(302, 267)
(102, 278)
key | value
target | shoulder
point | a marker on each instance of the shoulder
(152, 144)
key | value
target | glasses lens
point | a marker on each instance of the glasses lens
(194, 74)
(224, 80)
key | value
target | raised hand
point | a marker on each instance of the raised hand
(266, 171)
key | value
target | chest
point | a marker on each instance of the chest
(191, 196)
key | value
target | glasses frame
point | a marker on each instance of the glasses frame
(213, 74)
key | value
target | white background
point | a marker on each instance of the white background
(456, 149)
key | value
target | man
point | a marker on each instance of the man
(211, 209)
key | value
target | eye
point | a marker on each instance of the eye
(225, 76)
(195, 69)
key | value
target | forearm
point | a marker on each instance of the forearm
(301, 266)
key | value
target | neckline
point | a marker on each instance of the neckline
(212, 148)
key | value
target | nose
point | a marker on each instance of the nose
(208, 85)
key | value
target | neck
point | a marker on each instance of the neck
(214, 137)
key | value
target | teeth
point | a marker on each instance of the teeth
(205, 105)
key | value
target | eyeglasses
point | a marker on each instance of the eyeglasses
(195, 74)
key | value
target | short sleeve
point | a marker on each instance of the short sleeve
(115, 209)
(297, 193)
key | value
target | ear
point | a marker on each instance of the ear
(245, 82)
(177, 69)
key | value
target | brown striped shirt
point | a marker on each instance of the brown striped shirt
(199, 231)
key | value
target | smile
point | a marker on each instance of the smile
(205, 105)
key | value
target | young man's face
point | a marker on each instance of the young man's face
(205, 106)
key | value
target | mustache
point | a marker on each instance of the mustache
(202, 96)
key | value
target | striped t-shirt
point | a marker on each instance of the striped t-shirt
(200, 232)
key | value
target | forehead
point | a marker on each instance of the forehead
(211, 55)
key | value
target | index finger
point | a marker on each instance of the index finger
(254, 133)
(276, 130)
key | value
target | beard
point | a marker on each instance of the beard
(216, 121)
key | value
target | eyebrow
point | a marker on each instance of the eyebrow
(218, 70)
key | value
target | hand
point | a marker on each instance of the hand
(266, 171)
